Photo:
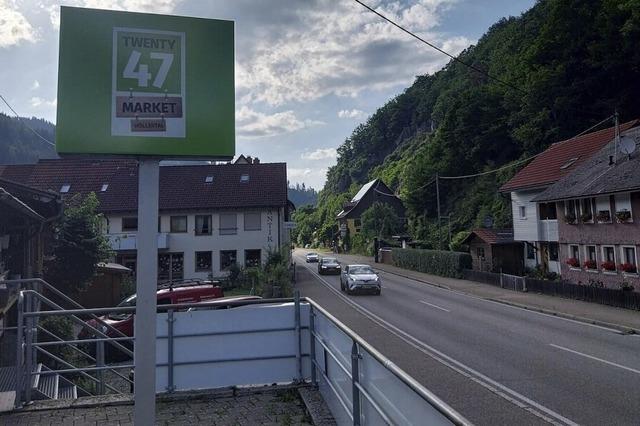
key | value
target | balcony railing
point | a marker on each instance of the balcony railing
(127, 241)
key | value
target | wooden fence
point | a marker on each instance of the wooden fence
(604, 296)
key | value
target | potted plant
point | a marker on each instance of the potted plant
(586, 217)
(604, 216)
(573, 262)
(590, 264)
(629, 268)
(570, 218)
(623, 216)
(608, 265)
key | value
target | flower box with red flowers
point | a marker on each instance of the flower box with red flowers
(629, 268)
(573, 262)
(590, 264)
(608, 266)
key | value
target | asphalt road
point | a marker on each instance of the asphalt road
(495, 364)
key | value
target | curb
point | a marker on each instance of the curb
(622, 328)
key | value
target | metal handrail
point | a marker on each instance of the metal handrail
(63, 297)
(426, 395)
(416, 387)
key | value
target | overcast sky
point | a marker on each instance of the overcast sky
(307, 71)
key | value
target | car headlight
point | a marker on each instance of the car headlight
(324, 267)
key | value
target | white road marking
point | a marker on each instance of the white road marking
(531, 310)
(499, 389)
(633, 370)
(435, 306)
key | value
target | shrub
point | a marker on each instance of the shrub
(437, 262)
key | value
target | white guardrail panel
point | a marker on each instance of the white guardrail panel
(229, 346)
(333, 381)
(397, 400)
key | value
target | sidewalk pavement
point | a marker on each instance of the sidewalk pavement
(625, 320)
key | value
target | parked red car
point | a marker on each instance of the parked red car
(188, 292)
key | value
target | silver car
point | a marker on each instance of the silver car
(312, 257)
(360, 278)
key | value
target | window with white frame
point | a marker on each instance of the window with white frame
(203, 224)
(591, 261)
(629, 263)
(228, 224)
(623, 207)
(586, 210)
(608, 258)
(603, 209)
(523, 212)
(178, 224)
(203, 261)
(252, 221)
(574, 256)
(570, 211)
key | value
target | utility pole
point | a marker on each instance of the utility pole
(438, 203)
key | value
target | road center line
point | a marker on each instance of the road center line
(435, 306)
(633, 370)
(498, 388)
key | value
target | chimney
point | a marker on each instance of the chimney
(256, 160)
(249, 159)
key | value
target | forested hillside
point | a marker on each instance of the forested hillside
(300, 195)
(19, 145)
(568, 64)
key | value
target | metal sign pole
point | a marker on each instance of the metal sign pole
(146, 287)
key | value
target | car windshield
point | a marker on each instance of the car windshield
(361, 270)
(312, 254)
(329, 261)
(129, 301)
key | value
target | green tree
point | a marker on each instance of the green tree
(79, 245)
(380, 220)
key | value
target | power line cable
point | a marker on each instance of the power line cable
(433, 46)
(21, 119)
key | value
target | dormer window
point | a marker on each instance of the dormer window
(244, 178)
(65, 188)
(208, 179)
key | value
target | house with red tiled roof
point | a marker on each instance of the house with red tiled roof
(536, 224)
(211, 216)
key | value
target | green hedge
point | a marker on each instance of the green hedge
(437, 262)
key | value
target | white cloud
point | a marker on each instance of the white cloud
(342, 49)
(153, 6)
(351, 113)
(14, 27)
(311, 177)
(37, 102)
(255, 124)
(35, 85)
(320, 154)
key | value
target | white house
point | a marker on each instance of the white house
(536, 224)
(211, 216)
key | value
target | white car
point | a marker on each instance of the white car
(362, 278)
(312, 257)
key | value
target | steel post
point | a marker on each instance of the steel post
(146, 287)
(298, 332)
(312, 345)
(355, 377)
(100, 363)
(170, 321)
(28, 350)
(19, 351)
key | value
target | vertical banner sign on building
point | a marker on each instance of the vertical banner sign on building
(143, 84)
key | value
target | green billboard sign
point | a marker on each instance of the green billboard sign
(145, 85)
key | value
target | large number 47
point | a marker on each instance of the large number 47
(142, 74)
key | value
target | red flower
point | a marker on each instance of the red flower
(608, 266)
(628, 267)
(590, 264)
(573, 262)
